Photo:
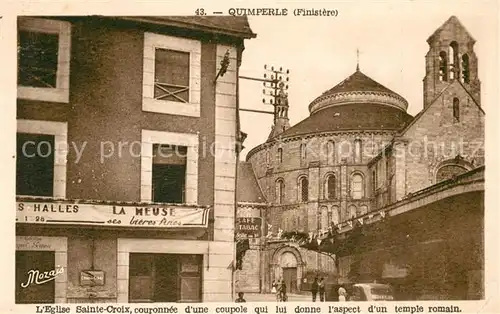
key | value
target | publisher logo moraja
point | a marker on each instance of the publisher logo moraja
(36, 277)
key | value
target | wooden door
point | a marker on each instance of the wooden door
(290, 278)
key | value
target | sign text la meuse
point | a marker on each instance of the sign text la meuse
(146, 211)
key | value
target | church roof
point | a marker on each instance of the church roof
(358, 81)
(452, 21)
(365, 116)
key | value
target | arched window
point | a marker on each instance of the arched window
(303, 151)
(330, 152)
(453, 60)
(443, 66)
(465, 69)
(357, 151)
(334, 215)
(280, 191)
(352, 211)
(279, 156)
(357, 189)
(456, 109)
(330, 187)
(304, 189)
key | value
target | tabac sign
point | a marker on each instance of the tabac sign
(152, 216)
(248, 227)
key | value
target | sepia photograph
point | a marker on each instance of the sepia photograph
(322, 152)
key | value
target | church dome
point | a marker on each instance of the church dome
(356, 103)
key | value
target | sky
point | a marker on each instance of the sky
(320, 52)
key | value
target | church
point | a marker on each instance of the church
(361, 191)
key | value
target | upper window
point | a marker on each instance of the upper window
(171, 75)
(449, 171)
(280, 191)
(304, 189)
(330, 152)
(443, 66)
(357, 190)
(453, 60)
(465, 69)
(357, 151)
(43, 54)
(280, 155)
(169, 173)
(330, 187)
(35, 164)
(171, 79)
(456, 110)
(303, 151)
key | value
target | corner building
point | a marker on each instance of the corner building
(116, 187)
(361, 162)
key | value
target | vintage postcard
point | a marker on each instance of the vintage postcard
(328, 156)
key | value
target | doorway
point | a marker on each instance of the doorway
(290, 278)
(27, 291)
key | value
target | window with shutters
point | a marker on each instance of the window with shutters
(169, 173)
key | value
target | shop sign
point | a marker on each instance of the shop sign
(152, 216)
(248, 227)
(92, 278)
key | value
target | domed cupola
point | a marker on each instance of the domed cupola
(358, 89)
(356, 103)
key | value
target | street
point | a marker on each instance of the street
(268, 297)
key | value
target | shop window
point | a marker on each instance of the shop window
(165, 278)
(171, 75)
(357, 189)
(43, 56)
(280, 191)
(169, 173)
(35, 164)
(29, 263)
(330, 187)
(304, 189)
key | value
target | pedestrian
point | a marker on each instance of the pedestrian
(321, 290)
(314, 288)
(240, 298)
(284, 297)
(277, 289)
(342, 294)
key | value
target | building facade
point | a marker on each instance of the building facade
(360, 158)
(127, 158)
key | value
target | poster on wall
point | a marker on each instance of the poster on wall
(152, 216)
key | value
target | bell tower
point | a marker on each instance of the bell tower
(450, 58)
(281, 121)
